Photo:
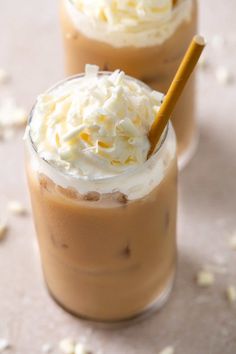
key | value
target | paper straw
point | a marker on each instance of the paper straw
(181, 78)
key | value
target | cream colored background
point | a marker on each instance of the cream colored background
(195, 321)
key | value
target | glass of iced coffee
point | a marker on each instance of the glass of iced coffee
(105, 216)
(146, 39)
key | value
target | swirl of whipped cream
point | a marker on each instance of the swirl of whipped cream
(125, 12)
(95, 125)
(138, 23)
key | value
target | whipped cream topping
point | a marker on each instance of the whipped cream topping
(95, 125)
(138, 23)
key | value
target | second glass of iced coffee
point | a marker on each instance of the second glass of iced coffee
(105, 216)
(146, 39)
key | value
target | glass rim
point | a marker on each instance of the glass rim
(87, 178)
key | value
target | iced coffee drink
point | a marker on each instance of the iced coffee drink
(146, 39)
(105, 216)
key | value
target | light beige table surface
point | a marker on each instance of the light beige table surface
(195, 320)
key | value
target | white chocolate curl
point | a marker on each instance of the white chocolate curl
(96, 125)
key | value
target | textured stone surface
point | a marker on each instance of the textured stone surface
(195, 320)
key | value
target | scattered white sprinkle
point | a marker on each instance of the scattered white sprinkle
(4, 344)
(231, 294)
(73, 132)
(11, 115)
(15, 207)
(67, 346)
(205, 278)
(4, 77)
(168, 350)
(223, 76)
(232, 242)
(46, 348)
(3, 230)
(218, 41)
(80, 349)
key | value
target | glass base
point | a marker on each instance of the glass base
(187, 156)
(156, 305)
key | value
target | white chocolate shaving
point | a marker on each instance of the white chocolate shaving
(11, 115)
(15, 207)
(80, 349)
(231, 294)
(4, 344)
(168, 350)
(205, 278)
(67, 346)
(95, 125)
(3, 230)
(223, 75)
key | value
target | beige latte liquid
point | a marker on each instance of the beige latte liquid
(155, 65)
(106, 260)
